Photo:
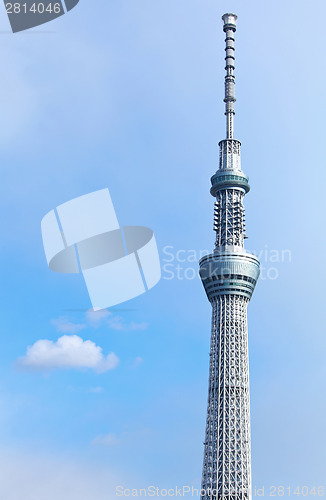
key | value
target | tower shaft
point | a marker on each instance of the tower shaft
(229, 276)
(226, 468)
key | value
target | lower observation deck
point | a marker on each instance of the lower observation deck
(229, 273)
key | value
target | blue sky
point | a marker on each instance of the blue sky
(128, 95)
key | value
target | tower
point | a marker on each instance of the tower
(229, 275)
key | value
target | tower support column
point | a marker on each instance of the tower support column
(226, 471)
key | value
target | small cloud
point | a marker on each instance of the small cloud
(63, 325)
(137, 362)
(106, 440)
(117, 323)
(113, 440)
(96, 390)
(95, 318)
(138, 326)
(84, 390)
(67, 352)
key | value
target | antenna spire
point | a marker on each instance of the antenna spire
(230, 26)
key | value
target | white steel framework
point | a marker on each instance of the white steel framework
(226, 468)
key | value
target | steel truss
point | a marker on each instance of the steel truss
(226, 471)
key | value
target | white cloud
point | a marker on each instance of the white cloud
(68, 352)
(83, 390)
(137, 362)
(106, 440)
(117, 323)
(96, 390)
(112, 439)
(137, 326)
(95, 318)
(63, 325)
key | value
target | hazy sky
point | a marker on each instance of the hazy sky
(129, 95)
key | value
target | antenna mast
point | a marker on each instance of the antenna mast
(229, 28)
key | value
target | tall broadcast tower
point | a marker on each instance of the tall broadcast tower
(229, 276)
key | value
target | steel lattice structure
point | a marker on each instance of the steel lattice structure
(229, 276)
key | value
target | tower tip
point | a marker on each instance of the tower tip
(230, 21)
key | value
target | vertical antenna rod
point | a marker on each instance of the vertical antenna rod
(229, 28)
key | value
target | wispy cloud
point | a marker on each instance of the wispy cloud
(67, 352)
(137, 326)
(106, 440)
(97, 318)
(117, 323)
(85, 390)
(95, 390)
(112, 439)
(63, 325)
(137, 362)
